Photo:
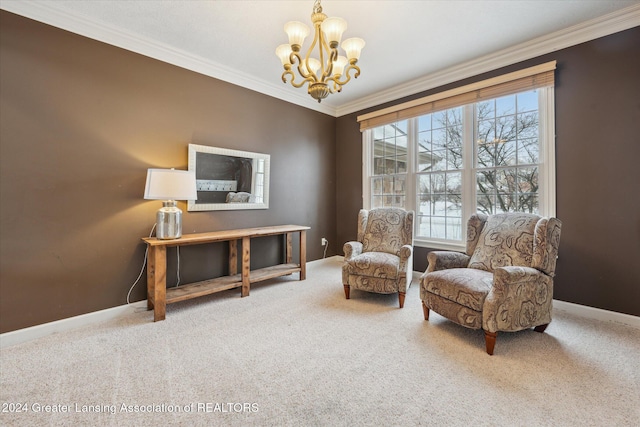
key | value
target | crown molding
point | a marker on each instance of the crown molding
(605, 25)
(48, 13)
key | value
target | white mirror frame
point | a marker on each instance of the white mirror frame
(193, 205)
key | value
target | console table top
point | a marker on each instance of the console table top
(222, 235)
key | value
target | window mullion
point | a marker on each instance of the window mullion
(410, 180)
(469, 170)
(367, 167)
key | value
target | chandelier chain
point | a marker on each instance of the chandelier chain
(317, 7)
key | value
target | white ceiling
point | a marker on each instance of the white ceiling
(410, 45)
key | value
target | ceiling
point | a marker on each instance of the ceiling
(410, 45)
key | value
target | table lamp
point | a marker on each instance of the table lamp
(170, 185)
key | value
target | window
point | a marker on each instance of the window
(439, 175)
(490, 156)
(390, 160)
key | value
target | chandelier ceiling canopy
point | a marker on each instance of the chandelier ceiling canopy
(322, 68)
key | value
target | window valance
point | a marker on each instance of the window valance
(518, 81)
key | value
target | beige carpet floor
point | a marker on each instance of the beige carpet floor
(299, 354)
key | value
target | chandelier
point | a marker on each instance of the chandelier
(325, 73)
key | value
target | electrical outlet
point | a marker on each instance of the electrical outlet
(324, 242)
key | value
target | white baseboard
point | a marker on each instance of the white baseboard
(597, 313)
(27, 334)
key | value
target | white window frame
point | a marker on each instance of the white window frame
(546, 171)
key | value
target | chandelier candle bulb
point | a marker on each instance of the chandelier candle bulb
(322, 68)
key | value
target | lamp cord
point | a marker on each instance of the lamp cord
(144, 263)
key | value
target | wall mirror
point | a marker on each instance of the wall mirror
(229, 179)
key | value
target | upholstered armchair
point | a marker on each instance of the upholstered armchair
(381, 260)
(504, 280)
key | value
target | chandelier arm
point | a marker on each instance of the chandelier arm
(308, 76)
(337, 87)
(347, 70)
(324, 48)
(293, 76)
(306, 58)
(329, 70)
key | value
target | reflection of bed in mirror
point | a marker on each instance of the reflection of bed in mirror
(229, 179)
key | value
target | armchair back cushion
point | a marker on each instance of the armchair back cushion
(474, 228)
(386, 230)
(505, 240)
(545, 245)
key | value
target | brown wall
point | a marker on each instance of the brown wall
(597, 97)
(80, 123)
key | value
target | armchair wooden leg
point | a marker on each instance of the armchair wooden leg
(540, 328)
(490, 341)
(401, 296)
(425, 309)
(347, 288)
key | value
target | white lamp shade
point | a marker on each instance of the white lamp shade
(296, 31)
(170, 184)
(333, 28)
(353, 47)
(284, 53)
(314, 65)
(339, 64)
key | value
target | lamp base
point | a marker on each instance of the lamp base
(169, 221)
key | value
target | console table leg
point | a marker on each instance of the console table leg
(246, 265)
(157, 281)
(289, 250)
(151, 278)
(233, 257)
(303, 254)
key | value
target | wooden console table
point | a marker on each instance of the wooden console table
(158, 296)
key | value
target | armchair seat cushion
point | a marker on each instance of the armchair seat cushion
(465, 286)
(375, 264)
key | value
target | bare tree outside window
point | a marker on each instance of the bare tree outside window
(440, 165)
(505, 146)
(506, 157)
(507, 154)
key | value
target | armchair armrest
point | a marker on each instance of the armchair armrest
(520, 298)
(442, 260)
(352, 249)
(514, 275)
(405, 256)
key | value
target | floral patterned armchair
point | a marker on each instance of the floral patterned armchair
(504, 281)
(381, 260)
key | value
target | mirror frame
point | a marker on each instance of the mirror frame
(192, 205)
